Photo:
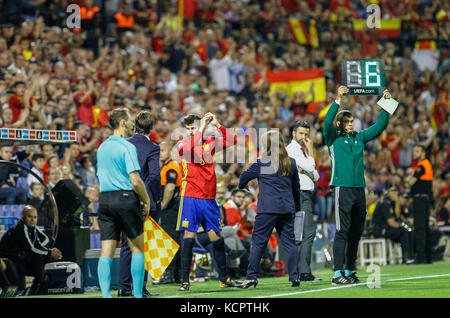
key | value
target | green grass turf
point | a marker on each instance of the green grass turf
(396, 281)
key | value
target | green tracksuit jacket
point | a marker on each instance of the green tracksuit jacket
(347, 150)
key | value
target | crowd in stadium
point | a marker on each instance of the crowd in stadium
(136, 54)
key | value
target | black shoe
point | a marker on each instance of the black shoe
(248, 283)
(353, 279)
(147, 294)
(166, 279)
(296, 283)
(184, 286)
(341, 280)
(35, 289)
(229, 283)
(308, 277)
(124, 293)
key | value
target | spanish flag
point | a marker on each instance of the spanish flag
(390, 29)
(324, 112)
(292, 81)
(186, 9)
(298, 30)
(304, 32)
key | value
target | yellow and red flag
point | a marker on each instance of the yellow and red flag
(159, 248)
(292, 81)
(304, 32)
(324, 112)
(389, 29)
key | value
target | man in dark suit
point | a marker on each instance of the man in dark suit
(148, 156)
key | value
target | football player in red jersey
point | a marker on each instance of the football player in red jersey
(198, 192)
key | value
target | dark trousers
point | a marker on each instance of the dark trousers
(32, 265)
(421, 214)
(169, 224)
(309, 232)
(264, 225)
(350, 214)
(401, 236)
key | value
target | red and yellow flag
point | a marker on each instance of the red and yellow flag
(159, 248)
(389, 29)
(299, 31)
(292, 81)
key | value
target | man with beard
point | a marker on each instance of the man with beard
(301, 149)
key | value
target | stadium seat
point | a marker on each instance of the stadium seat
(394, 251)
(22, 183)
(366, 246)
(8, 221)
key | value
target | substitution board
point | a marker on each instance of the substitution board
(363, 77)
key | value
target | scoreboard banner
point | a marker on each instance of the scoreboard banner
(363, 77)
(29, 136)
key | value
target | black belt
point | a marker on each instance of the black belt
(421, 195)
(307, 191)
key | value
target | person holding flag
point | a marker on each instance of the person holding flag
(346, 149)
(198, 192)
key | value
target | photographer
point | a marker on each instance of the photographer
(389, 222)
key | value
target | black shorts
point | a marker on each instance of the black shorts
(119, 211)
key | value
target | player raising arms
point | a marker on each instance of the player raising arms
(198, 192)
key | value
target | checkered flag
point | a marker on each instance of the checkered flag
(159, 248)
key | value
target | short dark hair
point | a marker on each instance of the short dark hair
(37, 156)
(424, 149)
(144, 122)
(236, 191)
(77, 124)
(301, 123)
(116, 116)
(190, 119)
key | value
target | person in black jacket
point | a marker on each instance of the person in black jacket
(278, 200)
(28, 248)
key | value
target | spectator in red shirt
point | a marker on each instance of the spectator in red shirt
(232, 209)
(84, 99)
(391, 140)
(16, 102)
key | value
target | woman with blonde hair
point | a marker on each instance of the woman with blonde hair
(278, 200)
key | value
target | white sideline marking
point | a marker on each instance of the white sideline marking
(316, 290)
(353, 285)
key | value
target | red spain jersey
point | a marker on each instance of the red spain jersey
(197, 164)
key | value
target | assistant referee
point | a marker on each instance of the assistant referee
(119, 204)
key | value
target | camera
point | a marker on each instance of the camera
(406, 226)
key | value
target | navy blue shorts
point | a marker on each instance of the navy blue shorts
(194, 212)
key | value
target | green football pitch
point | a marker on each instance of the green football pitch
(391, 281)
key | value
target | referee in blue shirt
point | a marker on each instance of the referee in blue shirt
(119, 204)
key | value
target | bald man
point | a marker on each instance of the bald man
(29, 250)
